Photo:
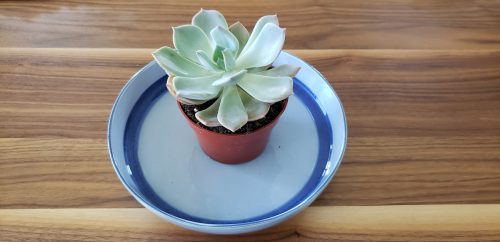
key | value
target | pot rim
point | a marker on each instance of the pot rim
(198, 127)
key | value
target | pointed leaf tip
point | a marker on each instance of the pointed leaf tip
(208, 117)
(260, 25)
(208, 20)
(281, 70)
(264, 49)
(196, 88)
(241, 33)
(229, 78)
(205, 60)
(175, 64)
(224, 39)
(269, 89)
(255, 109)
(188, 39)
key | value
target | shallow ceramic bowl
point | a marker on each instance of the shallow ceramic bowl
(157, 158)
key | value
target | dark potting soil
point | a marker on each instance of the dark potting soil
(273, 112)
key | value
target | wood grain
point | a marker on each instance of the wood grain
(420, 93)
(420, 82)
(59, 173)
(424, 125)
(359, 223)
(322, 24)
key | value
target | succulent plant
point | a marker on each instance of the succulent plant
(214, 61)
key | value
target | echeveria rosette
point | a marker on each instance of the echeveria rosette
(212, 60)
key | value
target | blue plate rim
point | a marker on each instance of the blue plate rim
(297, 208)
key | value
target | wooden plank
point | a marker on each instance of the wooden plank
(57, 92)
(40, 173)
(353, 24)
(424, 126)
(374, 223)
(70, 172)
(68, 92)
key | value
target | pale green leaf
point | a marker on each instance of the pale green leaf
(229, 78)
(241, 33)
(206, 61)
(208, 117)
(188, 39)
(208, 20)
(264, 50)
(223, 38)
(273, 19)
(176, 65)
(258, 69)
(267, 89)
(196, 88)
(232, 114)
(229, 59)
(171, 90)
(255, 109)
(281, 70)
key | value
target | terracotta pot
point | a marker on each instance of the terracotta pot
(233, 148)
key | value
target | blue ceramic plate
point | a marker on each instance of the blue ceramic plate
(158, 159)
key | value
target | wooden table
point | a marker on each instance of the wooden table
(420, 82)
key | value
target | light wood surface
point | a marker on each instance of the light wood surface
(420, 82)
(319, 24)
(345, 223)
(424, 126)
